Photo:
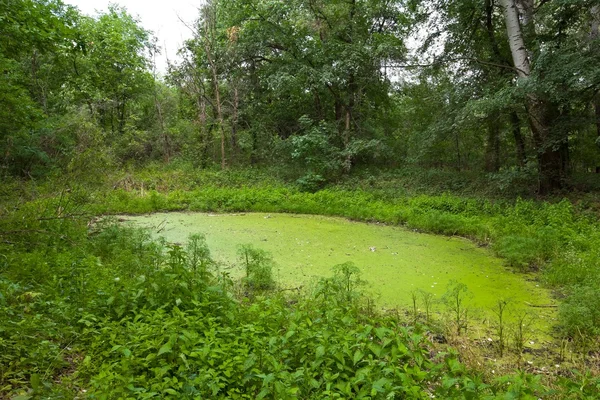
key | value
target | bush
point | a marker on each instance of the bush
(580, 311)
(258, 266)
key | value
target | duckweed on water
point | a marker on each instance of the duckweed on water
(394, 261)
(100, 308)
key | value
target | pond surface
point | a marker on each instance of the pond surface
(394, 261)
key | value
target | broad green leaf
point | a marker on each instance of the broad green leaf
(166, 348)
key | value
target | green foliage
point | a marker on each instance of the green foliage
(502, 306)
(311, 183)
(258, 266)
(347, 276)
(580, 312)
(305, 88)
(106, 309)
(60, 65)
(455, 301)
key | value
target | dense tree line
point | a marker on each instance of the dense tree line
(506, 87)
(71, 85)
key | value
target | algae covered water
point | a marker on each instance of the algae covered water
(394, 261)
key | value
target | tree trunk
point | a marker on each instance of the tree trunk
(597, 109)
(215, 78)
(540, 116)
(121, 115)
(348, 160)
(458, 156)
(219, 117)
(318, 105)
(348, 115)
(549, 157)
(159, 114)
(161, 125)
(519, 141)
(595, 36)
(492, 151)
(515, 39)
(339, 111)
(234, 118)
(203, 131)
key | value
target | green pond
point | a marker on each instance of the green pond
(394, 261)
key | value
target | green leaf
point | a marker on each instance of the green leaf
(36, 382)
(166, 348)
(378, 386)
(184, 358)
(358, 355)
(376, 349)
(320, 352)
(289, 334)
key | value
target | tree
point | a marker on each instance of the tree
(541, 66)
(595, 39)
(113, 68)
(550, 163)
(35, 35)
(275, 62)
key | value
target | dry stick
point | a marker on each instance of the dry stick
(542, 305)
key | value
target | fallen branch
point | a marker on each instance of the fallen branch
(542, 305)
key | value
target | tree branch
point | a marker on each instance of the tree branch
(448, 60)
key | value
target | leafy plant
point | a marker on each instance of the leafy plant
(455, 301)
(500, 325)
(258, 266)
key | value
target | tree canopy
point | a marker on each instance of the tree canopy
(507, 89)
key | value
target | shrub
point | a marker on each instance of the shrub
(258, 266)
(580, 311)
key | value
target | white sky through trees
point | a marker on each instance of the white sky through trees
(159, 16)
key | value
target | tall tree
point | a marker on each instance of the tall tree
(35, 36)
(322, 60)
(114, 67)
(595, 39)
(551, 166)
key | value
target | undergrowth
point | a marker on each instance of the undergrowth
(89, 308)
(559, 238)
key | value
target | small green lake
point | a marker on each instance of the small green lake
(394, 261)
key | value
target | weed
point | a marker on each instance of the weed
(428, 299)
(454, 300)
(520, 332)
(104, 308)
(500, 311)
(258, 267)
(415, 310)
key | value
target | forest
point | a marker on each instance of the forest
(475, 121)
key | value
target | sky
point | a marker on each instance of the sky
(159, 16)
